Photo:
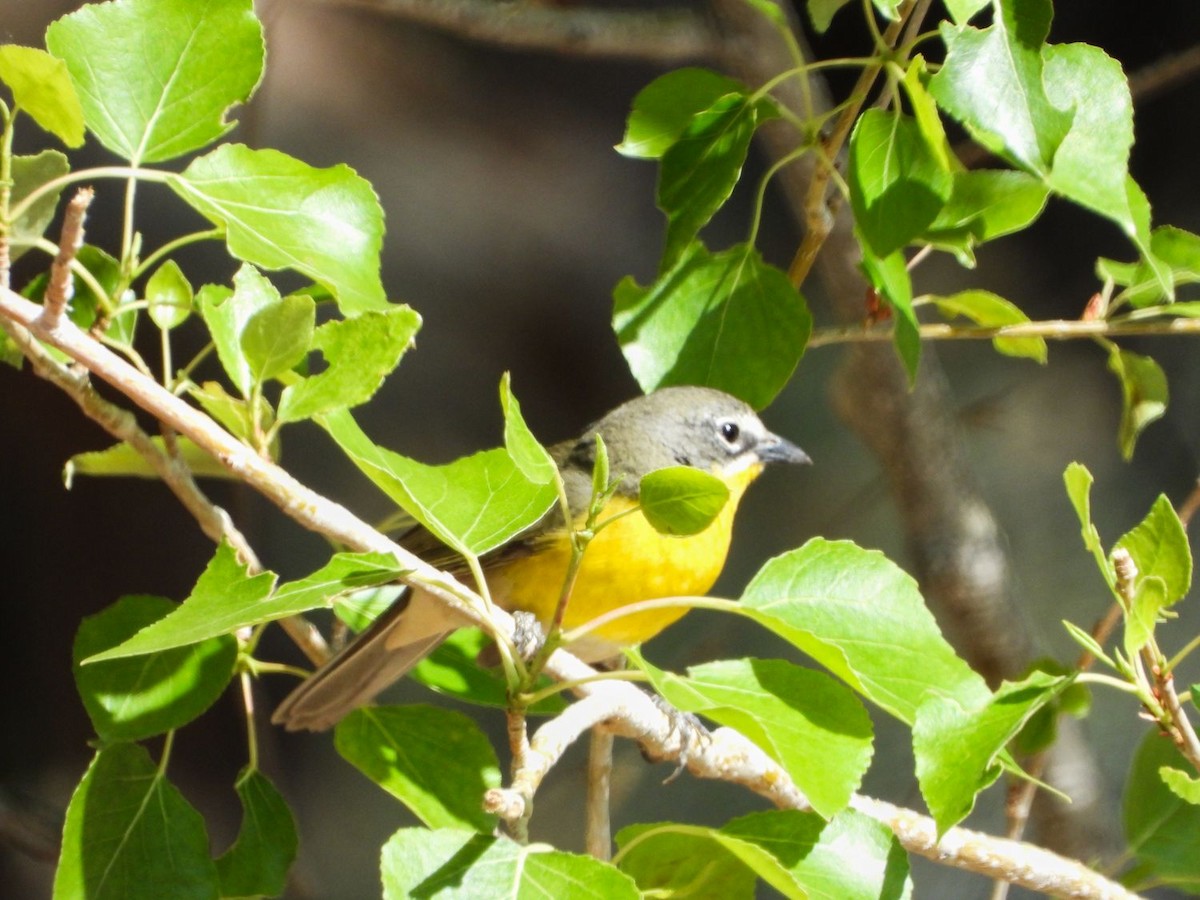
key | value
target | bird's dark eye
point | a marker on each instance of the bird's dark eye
(730, 432)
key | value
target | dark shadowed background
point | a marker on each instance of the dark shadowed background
(510, 218)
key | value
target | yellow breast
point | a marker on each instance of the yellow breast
(626, 562)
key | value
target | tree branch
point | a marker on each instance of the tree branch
(659, 35)
(628, 711)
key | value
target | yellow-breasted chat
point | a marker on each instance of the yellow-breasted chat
(626, 562)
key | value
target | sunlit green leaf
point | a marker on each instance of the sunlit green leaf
(130, 835)
(529, 455)
(850, 857)
(360, 352)
(226, 598)
(863, 618)
(452, 862)
(281, 213)
(681, 500)
(992, 81)
(958, 748)
(123, 461)
(663, 109)
(41, 86)
(453, 669)
(276, 337)
(725, 320)
(1078, 481)
(1143, 394)
(897, 183)
(473, 504)
(156, 77)
(131, 699)
(807, 722)
(700, 170)
(226, 313)
(28, 174)
(1184, 786)
(991, 311)
(168, 296)
(257, 864)
(435, 761)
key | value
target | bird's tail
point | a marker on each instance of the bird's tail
(395, 642)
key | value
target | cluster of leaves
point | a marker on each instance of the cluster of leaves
(152, 80)
(1059, 116)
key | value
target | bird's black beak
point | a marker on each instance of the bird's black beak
(774, 449)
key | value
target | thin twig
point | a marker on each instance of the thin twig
(659, 35)
(60, 285)
(598, 825)
(1050, 329)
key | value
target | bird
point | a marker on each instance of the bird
(626, 561)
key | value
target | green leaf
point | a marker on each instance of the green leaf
(362, 606)
(128, 700)
(925, 113)
(1182, 785)
(41, 86)
(897, 183)
(664, 109)
(1149, 600)
(122, 460)
(360, 353)
(1091, 165)
(453, 670)
(531, 457)
(1173, 248)
(130, 835)
(449, 862)
(681, 500)
(435, 761)
(226, 313)
(672, 859)
(1143, 394)
(225, 598)
(822, 12)
(992, 81)
(890, 278)
(958, 748)
(280, 213)
(28, 174)
(472, 505)
(963, 10)
(811, 725)
(257, 864)
(1161, 828)
(985, 204)
(861, 617)
(991, 311)
(850, 857)
(1078, 481)
(168, 296)
(234, 414)
(156, 77)
(1088, 643)
(1159, 547)
(276, 337)
(727, 320)
(700, 170)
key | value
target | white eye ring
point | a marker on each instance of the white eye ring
(729, 432)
